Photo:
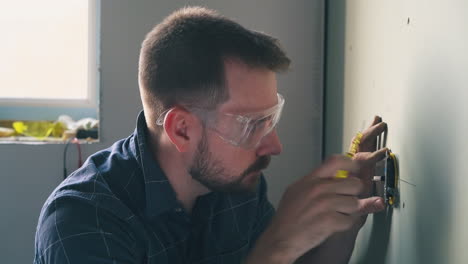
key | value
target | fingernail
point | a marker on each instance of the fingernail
(379, 204)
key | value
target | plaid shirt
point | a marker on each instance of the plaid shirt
(119, 207)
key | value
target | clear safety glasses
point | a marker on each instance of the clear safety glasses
(244, 131)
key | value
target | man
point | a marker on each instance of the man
(187, 186)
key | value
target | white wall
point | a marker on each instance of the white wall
(407, 61)
(29, 173)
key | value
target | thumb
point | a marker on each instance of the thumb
(371, 205)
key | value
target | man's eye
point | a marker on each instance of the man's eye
(265, 121)
(259, 124)
(255, 126)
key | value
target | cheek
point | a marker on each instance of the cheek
(233, 158)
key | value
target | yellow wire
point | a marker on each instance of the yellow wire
(342, 174)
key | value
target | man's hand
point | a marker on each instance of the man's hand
(319, 205)
(365, 152)
(364, 156)
(369, 136)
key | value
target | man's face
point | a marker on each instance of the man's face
(221, 166)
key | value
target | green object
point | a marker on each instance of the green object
(39, 129)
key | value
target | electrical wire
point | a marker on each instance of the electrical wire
(80, 159)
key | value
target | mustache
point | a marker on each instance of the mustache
(260, 164)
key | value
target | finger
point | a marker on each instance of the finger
(377, 129)
(348, 186)
(345, 204)
(370, 158)
(335, 163)
(371, 205)
(377, 119)
(369, 138)
(377, 156)
(342, 222)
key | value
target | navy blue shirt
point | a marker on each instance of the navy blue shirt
(119, 207)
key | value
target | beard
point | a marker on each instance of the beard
(209, 172)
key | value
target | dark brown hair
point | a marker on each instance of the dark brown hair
(182, 59)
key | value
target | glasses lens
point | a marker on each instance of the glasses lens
(259, 128)
(244, 131)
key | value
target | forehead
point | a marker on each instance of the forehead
(250, 89)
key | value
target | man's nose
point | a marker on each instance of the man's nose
(270, 144)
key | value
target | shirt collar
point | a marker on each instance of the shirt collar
(160, 196)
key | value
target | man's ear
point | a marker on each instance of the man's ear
(178, 125)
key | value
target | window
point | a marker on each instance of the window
(49, 61)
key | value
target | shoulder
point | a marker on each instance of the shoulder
(104, 179)
(86, 212)
(74, 226)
